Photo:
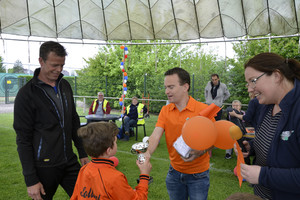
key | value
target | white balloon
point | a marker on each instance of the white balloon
(125, 92)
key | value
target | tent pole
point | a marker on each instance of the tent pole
(269, 43)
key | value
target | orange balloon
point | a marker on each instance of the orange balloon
(122, 47)
(199, 133)
(235, 132)
(120, 99)
(125, 73)
(224, 140)
(124, 85)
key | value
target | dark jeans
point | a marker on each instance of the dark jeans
(64, 175)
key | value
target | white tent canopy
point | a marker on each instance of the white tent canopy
(149, 19)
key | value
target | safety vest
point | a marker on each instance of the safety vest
(140, 114)
(104, 105)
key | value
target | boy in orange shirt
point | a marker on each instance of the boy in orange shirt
(99, 179)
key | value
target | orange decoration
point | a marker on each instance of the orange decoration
(122, 47)
(125, 73)
(124, 85)
(199, 133)
(235, 132)
(210, 111)
(224, 140)
(120, 99)
(240, 159)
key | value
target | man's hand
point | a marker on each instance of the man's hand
(250, 173)
(35, 191)
(84, 161)
(193, 155)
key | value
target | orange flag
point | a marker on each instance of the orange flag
(210, 111)
(240, 159)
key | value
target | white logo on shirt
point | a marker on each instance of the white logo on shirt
(285, 135)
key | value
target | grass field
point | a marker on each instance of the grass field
(222, 180)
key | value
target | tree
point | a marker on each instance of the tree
(286, 47)
(145, 66)
(2, 67)
(17, 68)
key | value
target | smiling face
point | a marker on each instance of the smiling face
(264, 88)
(134, 101)
(100, 96)
(51, 68)
(174, 91)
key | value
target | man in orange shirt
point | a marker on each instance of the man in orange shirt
(188, 178)
(99, 179)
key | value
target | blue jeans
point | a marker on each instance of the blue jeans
(129, 122)
(181, 186)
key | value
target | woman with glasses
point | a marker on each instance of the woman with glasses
(275, 82)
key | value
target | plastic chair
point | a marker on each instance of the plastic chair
(136, 130)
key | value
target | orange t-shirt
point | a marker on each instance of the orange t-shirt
(99, 179)
(172, 121)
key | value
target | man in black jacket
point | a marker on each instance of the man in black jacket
(46, 123)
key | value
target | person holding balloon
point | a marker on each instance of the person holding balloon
(99, 179)
(188, 177)
(275, 81)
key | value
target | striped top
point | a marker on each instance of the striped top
(262, 142)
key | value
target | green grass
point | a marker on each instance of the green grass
(222, 180)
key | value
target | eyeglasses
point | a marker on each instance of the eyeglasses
(252, 83)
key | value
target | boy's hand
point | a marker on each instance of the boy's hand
(145, 167)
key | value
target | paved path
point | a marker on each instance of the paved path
(6, 108)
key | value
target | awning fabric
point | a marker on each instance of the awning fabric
(149, 19)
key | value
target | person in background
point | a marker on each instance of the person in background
(216, 92)
(134, 115)
(249, 116)
(275, 81)
(188, 178)
(99, 179)
(236, 107)
(46, 123)
(100, 103)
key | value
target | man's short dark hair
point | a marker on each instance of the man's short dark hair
(214, 75)
(184, 76)
(52, 46)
